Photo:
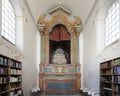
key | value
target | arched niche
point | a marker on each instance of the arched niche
(59, 45)
(45, 28)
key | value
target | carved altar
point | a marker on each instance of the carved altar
(57, 71)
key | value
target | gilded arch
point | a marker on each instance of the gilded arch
(47, 25)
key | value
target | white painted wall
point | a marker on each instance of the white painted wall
(25, 48)
(94, 51)
(90, 68)
(30, 72)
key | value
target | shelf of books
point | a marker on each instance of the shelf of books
(10, 77)
(110, 77)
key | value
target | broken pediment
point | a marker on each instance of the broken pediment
(60, 8)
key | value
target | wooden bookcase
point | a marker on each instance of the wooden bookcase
(10, 77)
(110, 78)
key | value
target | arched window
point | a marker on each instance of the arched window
(112, 24)
(8, 21)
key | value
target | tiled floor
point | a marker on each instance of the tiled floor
(43, 94)
(63, 94)
(60, 95)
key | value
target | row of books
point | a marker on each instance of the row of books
(15, 79)
(106, 65)
(15, 64)
(16, 93)
(117, 88)
(106, 93)
(107, 85)
(116, 70)
(11, 79)
(9, 62)
(3, 60)
(116, 79)
(4, 80)
(107, 72)
(15, 71)
(117, 62)
(108, 79)
(3, 70)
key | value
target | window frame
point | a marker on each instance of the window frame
(112, 32)
(4, 37)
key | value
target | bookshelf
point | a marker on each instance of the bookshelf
(110, 77)
(10, 76)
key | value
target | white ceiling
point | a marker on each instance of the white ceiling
(81, 8)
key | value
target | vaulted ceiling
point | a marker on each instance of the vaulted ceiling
(80, 8)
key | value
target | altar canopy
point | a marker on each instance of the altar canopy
(59, 40)
(59, 33)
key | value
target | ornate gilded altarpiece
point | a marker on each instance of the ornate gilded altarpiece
(59, 73)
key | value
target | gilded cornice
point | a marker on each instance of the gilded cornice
(59, 18)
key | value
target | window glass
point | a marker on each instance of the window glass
(112, 24)
(8, 21)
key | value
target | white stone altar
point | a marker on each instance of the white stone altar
(59, 57)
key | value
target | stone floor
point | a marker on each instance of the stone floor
(60, 94)
(51, 94)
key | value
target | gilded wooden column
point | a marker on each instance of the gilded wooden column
(78, 78)
(41, 82)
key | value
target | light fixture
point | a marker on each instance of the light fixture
(78, 29)
(41, 28)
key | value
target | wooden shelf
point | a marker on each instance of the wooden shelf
(116, 75)
(116, 83)
(109, 77)
(16, 82)
(4, 65)
(109, 89)
(106, 74)
(9, 71)
(16, 89)
(3, 92)
(15, 74)
(106, 82)
(106, 68)
(116, 92)
(4, 74)
(4, 83)
(15, 67)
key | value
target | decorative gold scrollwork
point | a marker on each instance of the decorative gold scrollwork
(78, 22)
(41, 19)
(45, 26)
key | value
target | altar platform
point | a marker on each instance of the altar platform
(57, 78)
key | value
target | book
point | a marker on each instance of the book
(118, 62)
(10, 76)
(1, 60)
(5, 61)
(118, 70)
